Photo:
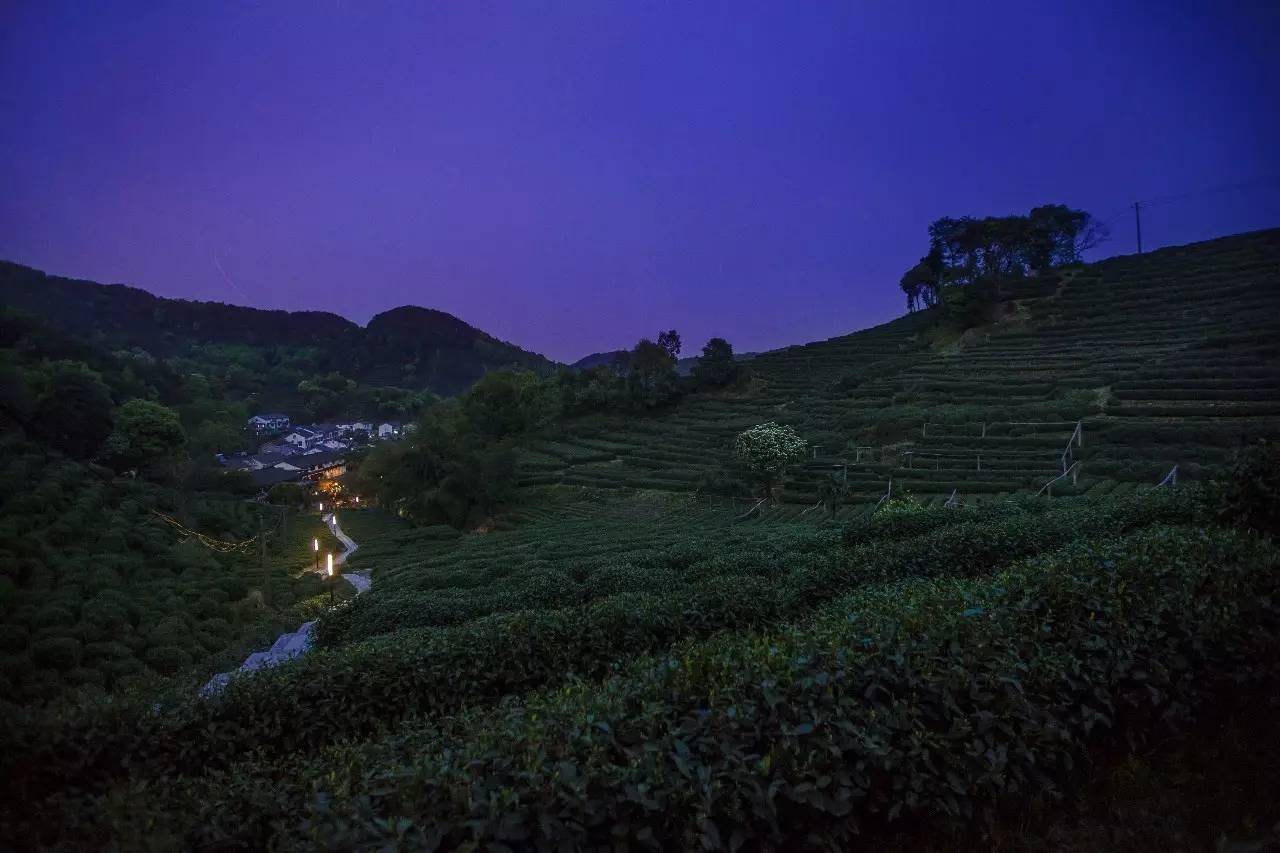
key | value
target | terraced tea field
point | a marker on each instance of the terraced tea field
(1169, 358)
(619, 661)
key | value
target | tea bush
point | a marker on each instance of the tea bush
(932, 699)
(366, 687)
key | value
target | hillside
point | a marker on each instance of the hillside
(410, 347)
(1169, 358)
(613, 656)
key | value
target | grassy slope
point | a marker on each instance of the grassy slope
(1169, 358)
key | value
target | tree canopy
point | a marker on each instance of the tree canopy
(716, 367)
(968, 249)
(766, 450)
(147, 437)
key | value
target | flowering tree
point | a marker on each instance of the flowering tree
(766, 450)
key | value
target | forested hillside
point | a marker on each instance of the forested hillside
(413, 348)
(124, 561)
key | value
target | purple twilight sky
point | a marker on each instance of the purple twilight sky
(573, 175)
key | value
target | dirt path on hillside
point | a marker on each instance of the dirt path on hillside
(293, 643)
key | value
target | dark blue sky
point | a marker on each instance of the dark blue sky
(573, 175)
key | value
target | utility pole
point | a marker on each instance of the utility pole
(1137, 219)
(262, 553)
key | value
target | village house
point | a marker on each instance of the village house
(269, 422)
(304, 437)
(315, 466)
(355, 426)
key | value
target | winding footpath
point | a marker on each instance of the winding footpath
(293, 643)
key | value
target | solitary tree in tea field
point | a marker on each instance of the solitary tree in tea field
(766, 450)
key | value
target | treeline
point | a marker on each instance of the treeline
(407, 347)
(969, 250)
(460, 462)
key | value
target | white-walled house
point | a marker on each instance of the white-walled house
(304, 438)
(269, 422)
(355, 426)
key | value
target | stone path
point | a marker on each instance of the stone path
(293, 643)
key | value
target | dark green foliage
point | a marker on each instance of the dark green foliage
(289, 494)
(813, 731)
(716, 368)
(56, 652)
(73, 411)
(148, 437)
(1251, 496)
(697, 590)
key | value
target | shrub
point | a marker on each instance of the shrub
(932, 699)
(56, 653)
(13, 638)
(167, 659)
(53, 616)
(1251, 496)
(365, 686)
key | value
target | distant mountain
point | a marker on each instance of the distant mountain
(411, 347)
(596, 359)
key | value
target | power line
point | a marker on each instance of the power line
(1158, 201)
(1221, 188)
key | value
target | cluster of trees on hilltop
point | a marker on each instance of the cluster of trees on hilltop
(645, 377)
(968, 250)
(460, 462)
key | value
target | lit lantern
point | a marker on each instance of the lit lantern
(330, 564)
(315, 544)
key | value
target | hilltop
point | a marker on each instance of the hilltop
(1169, 358)
(410, 347)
